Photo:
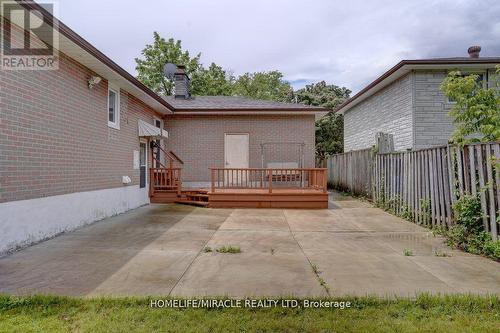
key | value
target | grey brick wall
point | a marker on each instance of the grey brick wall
(199, 140)
(389, 111)
(432, 124)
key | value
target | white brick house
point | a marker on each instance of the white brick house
(407, 102)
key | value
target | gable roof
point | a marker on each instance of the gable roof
(405, 66)
(236, 105)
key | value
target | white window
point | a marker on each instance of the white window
(113, 106)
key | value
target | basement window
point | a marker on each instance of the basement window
(113, 107)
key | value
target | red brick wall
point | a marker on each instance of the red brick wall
(199, 140)
(54, 135)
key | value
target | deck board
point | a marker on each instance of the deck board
(261, 198)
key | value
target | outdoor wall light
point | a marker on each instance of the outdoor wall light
(93, 81)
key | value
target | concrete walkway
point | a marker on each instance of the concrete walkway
(159, 250)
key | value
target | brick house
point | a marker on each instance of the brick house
(406, 102)
(75, 143)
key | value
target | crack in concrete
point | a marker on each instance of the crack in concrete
(324, 285)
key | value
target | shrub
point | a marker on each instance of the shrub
(468, 213)
(492, 249)
(469, 234)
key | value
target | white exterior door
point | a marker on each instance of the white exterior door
(236, 150)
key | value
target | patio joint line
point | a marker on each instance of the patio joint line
(305, 255)
(196, 256)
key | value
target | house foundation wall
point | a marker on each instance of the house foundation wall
(25, 222)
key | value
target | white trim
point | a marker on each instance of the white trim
(114, 124)
(147, 167)
(25, 222)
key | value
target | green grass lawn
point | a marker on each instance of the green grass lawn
(423, 314)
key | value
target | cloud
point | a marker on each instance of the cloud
(348, 43)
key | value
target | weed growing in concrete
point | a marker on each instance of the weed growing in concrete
(207, 249)
(441, 254)
(408, 252)
(320, 279)
(229, 249)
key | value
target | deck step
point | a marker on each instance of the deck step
(197, 195)
(193, 203)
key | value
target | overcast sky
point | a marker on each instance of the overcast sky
(347, 43)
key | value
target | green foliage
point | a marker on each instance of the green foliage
(156, 55)
(423, 313)
(492, 249)
(329, 135)
(263, 85)
(212, 81)
(207, 249)
(229, 249)
(469, 234)
(322, 94)
(468, 213)
(408, 252)
(330, 128)
(476, 112)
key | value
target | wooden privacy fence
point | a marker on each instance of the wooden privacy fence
(352, 172)
(423, 185)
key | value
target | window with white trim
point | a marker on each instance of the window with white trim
(113, 107)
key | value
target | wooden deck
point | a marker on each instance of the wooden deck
(268, 188)
(240, 188)
(261, 198)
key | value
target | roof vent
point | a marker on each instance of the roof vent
(474, 51)
(182, 83)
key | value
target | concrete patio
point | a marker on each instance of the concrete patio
(159, 250)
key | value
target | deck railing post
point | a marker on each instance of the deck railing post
(151, 183)
(270, 180)
(213, 180)
(325, 183)
(179, 183)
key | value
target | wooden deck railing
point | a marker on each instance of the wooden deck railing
(260, 178)
(162, 179)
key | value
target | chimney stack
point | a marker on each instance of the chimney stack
(182, 83)
(474, 51)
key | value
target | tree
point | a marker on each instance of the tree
(330, 128)
(476, 111)
(264, 85)
(156, 55)
(329, 135)
(213, 81)
(322, 94)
